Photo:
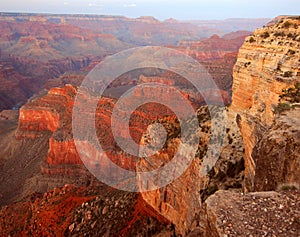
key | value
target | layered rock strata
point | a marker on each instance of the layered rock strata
(268, 63)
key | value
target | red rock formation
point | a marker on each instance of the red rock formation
(36, 121)
(33, 52)
(217, 54)
(180, 200)
(43, 215)
(46, 112)
(70, 210)
(31, 48)
(62, 152)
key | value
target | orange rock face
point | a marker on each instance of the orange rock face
(267, 64)
(63, 152)
(46, 112)
(51, 113)
(178, 201)
(33, 120)
(43, 215)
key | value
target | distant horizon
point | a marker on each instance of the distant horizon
(129, 17)
(160, 9)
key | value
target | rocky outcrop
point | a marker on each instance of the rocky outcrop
(102, 216)
(62, 152)
(46, 112)
(72, 210)
(268, 63)
(45, 126)
(229, 213)
(278, 150)
(43, 214)
(49, 114)
(181, 200)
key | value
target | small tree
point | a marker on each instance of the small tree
(251, 40)
(286, 24)
(265, 34)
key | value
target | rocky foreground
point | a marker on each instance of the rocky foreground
(253, 214)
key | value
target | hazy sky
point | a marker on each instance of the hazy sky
(161, 9)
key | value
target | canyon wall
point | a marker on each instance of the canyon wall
(268, 63)
(32, 52)
(181, 201)
(217, 54)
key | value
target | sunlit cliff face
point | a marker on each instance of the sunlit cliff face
(268, 63)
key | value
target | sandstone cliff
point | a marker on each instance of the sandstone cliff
(268, 63)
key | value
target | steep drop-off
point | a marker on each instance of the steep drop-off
(268, 63)
(180, 201)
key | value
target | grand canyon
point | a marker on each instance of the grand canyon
(49, 187)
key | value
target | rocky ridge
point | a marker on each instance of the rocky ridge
(181, 201)
(32, 52)
(268, 63)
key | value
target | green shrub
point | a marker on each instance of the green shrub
(287, 74)
(288, 187)
(281, 33)
(291, 94)
(281, 107)
(291, 52)
(251, 40)
(286, 24)
(265, 34)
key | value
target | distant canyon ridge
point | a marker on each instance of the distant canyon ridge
(42, 50)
